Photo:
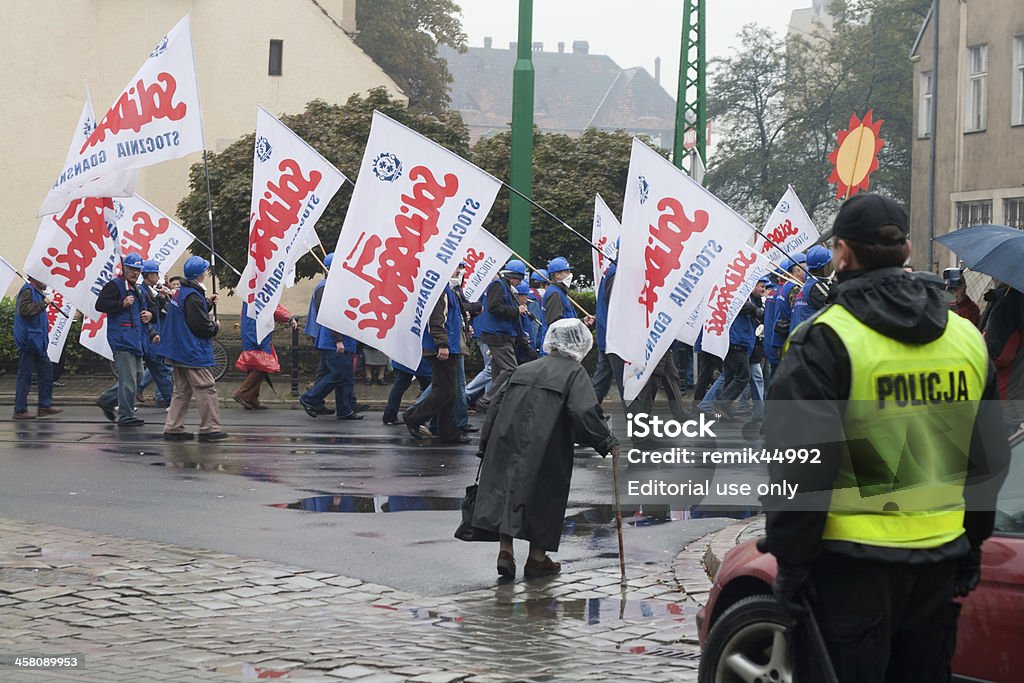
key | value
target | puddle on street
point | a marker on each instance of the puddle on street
(348, 503)
(591, 610)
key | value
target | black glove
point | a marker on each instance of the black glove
(791, 587)
(968, 573)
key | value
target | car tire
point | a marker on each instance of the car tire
(751, 636)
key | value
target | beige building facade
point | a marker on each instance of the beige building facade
(52, 47)
(976, 91)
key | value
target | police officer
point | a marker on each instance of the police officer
(814, 292)
(127, 320)
(500, 325)
(31, 337)
(896, 398)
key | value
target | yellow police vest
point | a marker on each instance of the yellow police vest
(908, 427)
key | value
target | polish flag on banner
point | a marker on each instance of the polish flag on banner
(606, 234)
(58, 326)
(676, 237)
(414, 210)
(307, 242)
(7, 275)
(94, 336)
(727, 297)
(147, 231)
(291, 187)
(789, 227)
(155, 118)
(485, 256)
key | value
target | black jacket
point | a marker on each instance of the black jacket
(196, 315)
(806, 402)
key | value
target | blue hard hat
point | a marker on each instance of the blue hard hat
(539, 275)
(818, 257)
(522, 288)
(515, 266)
(150, 266)
(195, 266)
(557, 265)
(765, 280)
(786, 264)
(133, 261)
(328, 259)
(798, 258)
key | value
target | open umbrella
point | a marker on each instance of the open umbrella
(996, 250)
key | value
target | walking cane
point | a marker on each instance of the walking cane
(618, 514)
(818, 643)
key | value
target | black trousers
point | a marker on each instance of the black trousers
(706, 365)
(737, 373)
(883, 622)
(441, 400)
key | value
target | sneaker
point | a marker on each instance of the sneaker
(50, 410)
(310, 409)
(23, 416)
(212, 436)
(414, 430)
(469, 430)
(245, 404)
(392, 423)
(178, 436)
(131, 422)
(108, 412)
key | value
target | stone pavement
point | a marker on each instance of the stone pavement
(143, 611)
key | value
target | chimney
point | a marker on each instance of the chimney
(538, 47)
(657, 70)
(513, 45)
(488, 41)
(561, 46)
(580, 47)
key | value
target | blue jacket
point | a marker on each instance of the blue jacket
(177, 342)
(743, 330)
(452, 323)
(422, 370)
(771, 316)
(249, 342)
(324, 338)
(802, 309)
(31, 332)
(488, 323)
(125, 330)
(601, 315)
(783, 314)
(535, 328)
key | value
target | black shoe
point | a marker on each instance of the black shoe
(360, 408)
(160, 403)
(414, 430)
(323, 410)
(457, 440)
(310, 409)
(393, 423)
(469, 430)
(242, 402)
(212, 436)
(107, 412)
(131, 422)
(351, 416)
(178, 436)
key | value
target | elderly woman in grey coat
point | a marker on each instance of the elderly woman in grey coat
(527, 443)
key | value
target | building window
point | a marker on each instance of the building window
(973, 213)
(1013, 212)
(276, 50)
(1018, 81)
(977, 88)
(924, 110)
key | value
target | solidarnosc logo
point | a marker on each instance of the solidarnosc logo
(387, 167)
(160, 48)
(263, 149)
(645, 189)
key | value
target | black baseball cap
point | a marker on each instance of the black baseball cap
(862, 217)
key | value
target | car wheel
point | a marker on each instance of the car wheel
(749, 643)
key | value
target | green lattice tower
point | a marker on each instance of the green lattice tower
(691, 99)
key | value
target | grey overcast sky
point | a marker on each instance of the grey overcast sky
(631, 33)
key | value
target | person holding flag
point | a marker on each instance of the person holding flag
(156, 371)
(258, 359)
(785, 297)
(499, 325)
(813, 294)
(127, 320)
(557, 304)
(603, 371)
(31, 339)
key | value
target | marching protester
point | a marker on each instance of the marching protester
(527, 449)
(156, 371)
(403, 380)
(782, 304)
(736, 372)
(31, 337)
(881, 568)
(812, 295)
(127, 320)
(258, 359)
(186, 346)
(499, 324)
(557, 304)
(1003, 327)
(526, 344)
(603, 370)
(535, 305)
(962, 304)
(337, 362)
(443, 343)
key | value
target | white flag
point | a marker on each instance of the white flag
(485, 256)
(94, 335)
(727, 297)
(291, 187)
(606, 234)
(676, 240)
(789, 227)
(7, 275)
(307, 242)
(147, 231)
(414, 207)
(155, 118)
(58, 325)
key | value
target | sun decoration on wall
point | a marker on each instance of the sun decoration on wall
(856, 157)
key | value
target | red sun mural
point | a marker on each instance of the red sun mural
(856, 157)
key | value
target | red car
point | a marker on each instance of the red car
(744, 634)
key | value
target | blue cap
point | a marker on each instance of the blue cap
(150, 266)
(765, 280)
(818, 257)
(133, 261)
(522, 288)
(195, 266)
(328, 259)
(539, 275)
(557, 265)
(514, 266)
(798, 258)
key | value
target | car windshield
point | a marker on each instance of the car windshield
(1010, 507)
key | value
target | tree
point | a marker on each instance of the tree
(339, 133)
(402, 37)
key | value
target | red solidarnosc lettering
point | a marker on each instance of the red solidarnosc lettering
(143, 232)
(139, 105)
(722, 297)
(277, 212)
(51, 311)
(416, 222)
(779, 235)
(84, 223)
(600, 252)
(92, 327)
(665, 247)
(473, 257)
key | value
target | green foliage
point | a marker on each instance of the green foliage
(339, 133)
(402, 37)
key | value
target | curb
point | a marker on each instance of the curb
(707, 552)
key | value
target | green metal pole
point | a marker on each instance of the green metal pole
(678, 148)
(691, 96)
(521, 163)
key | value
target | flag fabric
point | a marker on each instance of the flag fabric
(307, 242)
(291, 187)
(7, 275)
(414, 209)
(58, 326)
(727, 297)
(605, 236)
(789, 227)
(676, 237)
(149, 232)
(485, 256)
(94, 335)
(155, 118)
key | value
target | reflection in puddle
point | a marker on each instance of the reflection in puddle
(592, 610)
(347, 503)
